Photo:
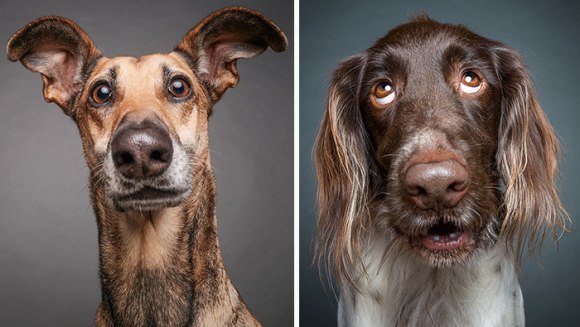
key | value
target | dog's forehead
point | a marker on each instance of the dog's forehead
(423, 48)
(141, 69)
(423, 30)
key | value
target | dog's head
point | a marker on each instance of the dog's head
(433, 137)
(143, 121)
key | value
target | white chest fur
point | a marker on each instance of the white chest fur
(399, 290)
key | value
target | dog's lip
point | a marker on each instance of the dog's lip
(444, 237)
(151, 193)
(150, 198)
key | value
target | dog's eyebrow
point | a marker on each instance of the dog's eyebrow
(461, 54)
(474, 58)
(169, 71)
(112, 73)
(385, 63)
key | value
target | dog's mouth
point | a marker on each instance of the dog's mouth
(444, 243)
(150, 198)
(444, 237)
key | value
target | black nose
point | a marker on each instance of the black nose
(141, 150)
(435, 185)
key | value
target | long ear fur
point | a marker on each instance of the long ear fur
(224, 37)
(341, 157)
(527, 158)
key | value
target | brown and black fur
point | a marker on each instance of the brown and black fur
(160, 262)
(483, 163)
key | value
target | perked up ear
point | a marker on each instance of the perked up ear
(224, 37)
(60, 51)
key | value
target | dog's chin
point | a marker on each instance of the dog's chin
(444, 244)
(149, 199)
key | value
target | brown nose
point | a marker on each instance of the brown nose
(141, 150)
(435, 185)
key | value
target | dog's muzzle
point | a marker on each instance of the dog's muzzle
(436, 186)
(145, 168)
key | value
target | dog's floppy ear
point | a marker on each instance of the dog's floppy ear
(342, 161)
(60, 51)
(527, 159)
(225, 36)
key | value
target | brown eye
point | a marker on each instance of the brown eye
(383, 94)
(470, 82)
(178, 87)
(101, 94)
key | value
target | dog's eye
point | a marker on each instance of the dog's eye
(470, 82)
(383, 94)
(101, 94)
(178, 88)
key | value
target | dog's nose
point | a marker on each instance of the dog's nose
(435, 185)
(142, 150)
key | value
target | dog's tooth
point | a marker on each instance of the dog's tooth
(436, 238)
(454, 236)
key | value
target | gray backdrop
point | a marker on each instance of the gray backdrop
(48, 235)
(546, 33)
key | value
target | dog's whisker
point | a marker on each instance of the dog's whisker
(151, 183)
(422, 194)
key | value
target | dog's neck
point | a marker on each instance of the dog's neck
(160, 267)
(401, 290)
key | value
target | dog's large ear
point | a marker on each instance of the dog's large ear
(60, 51)
(342, 161)
(224, 37)
(527, 158)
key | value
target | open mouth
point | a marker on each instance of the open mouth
(444, 237)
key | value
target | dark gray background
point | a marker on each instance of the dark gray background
(48, 235)
(546, 33)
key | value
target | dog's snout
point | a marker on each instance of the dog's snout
(434, 185)
(142, 150)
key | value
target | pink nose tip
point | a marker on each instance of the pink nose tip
(435, 185)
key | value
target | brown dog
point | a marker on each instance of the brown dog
(144, 128)
(436, 165)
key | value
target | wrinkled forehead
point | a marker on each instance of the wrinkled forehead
(142, 71)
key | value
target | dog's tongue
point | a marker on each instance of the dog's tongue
(444, 237)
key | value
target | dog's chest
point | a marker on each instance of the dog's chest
(402, 292)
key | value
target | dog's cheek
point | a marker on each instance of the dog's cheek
(93, 134)
(185, 122)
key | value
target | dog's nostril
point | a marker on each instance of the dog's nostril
(457, 186)
(123, 158)
(157, 155)
(416, 190)
(421, 191)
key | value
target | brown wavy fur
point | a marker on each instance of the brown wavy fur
(526, 159)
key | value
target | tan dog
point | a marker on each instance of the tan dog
(144, 128)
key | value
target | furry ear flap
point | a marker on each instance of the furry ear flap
(527, 158)
(59, 50)
(224, 37)
(342, 161)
